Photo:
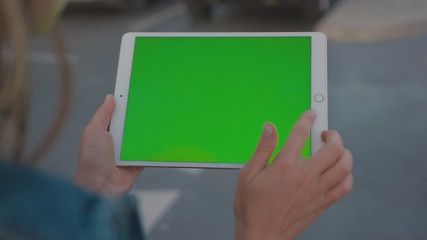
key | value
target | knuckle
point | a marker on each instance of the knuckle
(346, 189)
(301, 127)
(349, 156)
(285, 166)
(264, 148)
(345, 168)
(329, 135)
(348, 162)
(345, 164)
(336, 148)
(333, 133)
(343, 190)
(326, 201)
(332, 200)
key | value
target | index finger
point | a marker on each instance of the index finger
(297, 138)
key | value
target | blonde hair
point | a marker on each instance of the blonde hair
(15, 34)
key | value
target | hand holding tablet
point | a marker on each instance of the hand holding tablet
(280, 201)
(201, 99)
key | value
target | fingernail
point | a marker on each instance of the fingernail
(267, 130)
(106, 98)
(312, 112)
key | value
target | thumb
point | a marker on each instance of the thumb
(102, 117)
(263, 152)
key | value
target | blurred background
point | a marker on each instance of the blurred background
(377, 64)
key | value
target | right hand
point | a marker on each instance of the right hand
(280, 200)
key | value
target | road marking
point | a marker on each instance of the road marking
(158, 18)
(40, 57)
(154, 204)
(193, 172)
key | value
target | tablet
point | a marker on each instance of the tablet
(201, 99)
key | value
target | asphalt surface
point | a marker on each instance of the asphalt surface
(374, 20)
(376, 101)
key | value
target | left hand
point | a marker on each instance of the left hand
(97, 170)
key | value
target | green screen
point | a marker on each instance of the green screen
(205, 100)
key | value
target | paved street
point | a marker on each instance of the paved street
(377, 101)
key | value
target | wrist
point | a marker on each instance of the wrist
(256, 233)
(248, 233)
(89, 182)
(98, 185)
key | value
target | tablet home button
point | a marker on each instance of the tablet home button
(319, 98)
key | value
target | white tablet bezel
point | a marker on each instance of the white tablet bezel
(318, 91)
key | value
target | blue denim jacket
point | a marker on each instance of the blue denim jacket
(36, 206)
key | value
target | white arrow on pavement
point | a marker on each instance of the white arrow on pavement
(154, 204)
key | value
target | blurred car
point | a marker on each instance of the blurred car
(124, 4)
(310, 8)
